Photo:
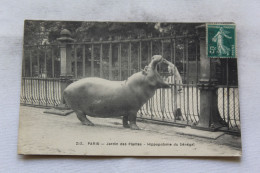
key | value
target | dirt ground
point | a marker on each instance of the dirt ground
(41, 133)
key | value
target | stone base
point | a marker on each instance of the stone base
(202, 134)
(60, 110)
(202, 126)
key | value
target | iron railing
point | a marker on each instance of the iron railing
(119, 59)
(173, 106)
(40, 91)
(228, 106)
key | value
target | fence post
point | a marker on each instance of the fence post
(65, 60)
(209, 115)
(65, 70)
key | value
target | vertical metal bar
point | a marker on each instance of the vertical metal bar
(53, 92)
(158, 104)
(35, 91)
(192, 101)
(228, 94)
(27, 90)
(168, 101)
(151, 51)
(92, 60)
(148, 107)
(45, 84)
(76, 62)
(52, 62)
(148, 53)
(174, 56)
(174, 81)
(187, 76)
(31, 69)
(21, 94)
(162, 103)
(140, 59)
(238, 107)
(100, 60)
(119, 62)
(162, 48)
(183, 62)
(47, 92)
(173, 102)
(129, 58)
(31, 98)
(138, 56)
(175, 96)
(84, 61)
(162, 53)
(50, 100)
(197, 77)
(38, 62)
(151, 107)
(41, 88)
(45, 62)
(39, 91)
(110, 61)
(180, 98)
(171, 51)
(234, 107)
(58, 92)
(23, 65)
(184, 105)
(183, 66)
(223, 95)
(196, 55)
(24, 90)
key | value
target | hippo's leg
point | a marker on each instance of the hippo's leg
(132, 120)
(125, 122)
(82, 117)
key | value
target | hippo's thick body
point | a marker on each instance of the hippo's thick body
(97, 97)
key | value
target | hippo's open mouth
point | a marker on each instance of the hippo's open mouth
(156, 59)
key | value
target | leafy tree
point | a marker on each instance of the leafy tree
(47, 32)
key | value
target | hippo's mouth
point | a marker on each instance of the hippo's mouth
(156, 59)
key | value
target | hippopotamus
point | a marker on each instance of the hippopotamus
(97, 97)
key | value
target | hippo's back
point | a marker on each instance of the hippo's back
(88, 91)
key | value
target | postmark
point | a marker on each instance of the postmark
(221, 40)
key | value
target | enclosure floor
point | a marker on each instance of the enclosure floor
(42, 133)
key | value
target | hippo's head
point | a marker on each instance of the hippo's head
(152, 76)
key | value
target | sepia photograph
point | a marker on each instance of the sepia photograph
(129, 89)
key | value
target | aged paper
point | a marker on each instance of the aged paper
(129, 89)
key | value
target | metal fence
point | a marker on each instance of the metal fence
(228, 105)
(173, 106)
(184, 108)
(119, 59)
(40, 91)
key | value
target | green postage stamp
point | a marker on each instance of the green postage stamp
(221, 40)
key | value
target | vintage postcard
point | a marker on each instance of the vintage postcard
(129, 89)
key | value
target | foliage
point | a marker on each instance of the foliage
(36, 31)
(47, 32)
